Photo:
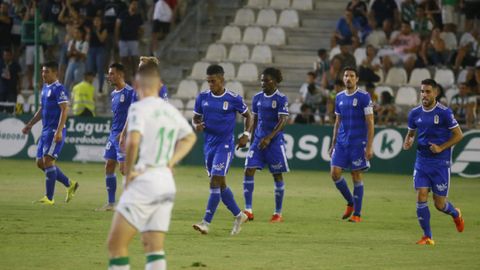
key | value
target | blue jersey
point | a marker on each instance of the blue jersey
(267, 109)
(121, 100)
(433, 126)
(163, 94)
(52, 95)
(219, 113)
(352, 109)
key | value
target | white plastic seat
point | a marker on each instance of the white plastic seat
(267, 17)
(381, 75)
(280, 4)
(275, 36)
(229, 69)
(239, 53)
(406, 96)
(302, 4)
(188, 112)
(295, 107)
(177, 103)
(187, 89)
(360, 55)
(253, 35)
(204, 86)
(262, 54)
(247, 72)
(462, 76)
(216, 52)
(199, 70)
(29, 105)
(236, 87)
(289, 18)
(257, 3)
(444, 77)
(244, 17)
(396, 76)
(418, 75)
(231, 34)
(380, 89)
(450, 93)
(334, 51)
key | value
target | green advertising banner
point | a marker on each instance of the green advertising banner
(307, 146)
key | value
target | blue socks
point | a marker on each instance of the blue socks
(111, 182)
(51, 174)
(62, 178)
(423, 214)
(357, 198)
(449, 209)
(248, 185)
(212, 204)
(341, 185)
(279, 191)
(229, 201)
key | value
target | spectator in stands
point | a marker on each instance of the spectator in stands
(162, 20)
(9, 80)
(388, 29)
(449, 36)
(434, 51)
(17, 12)
(467, 50)
(83, 96)
(405, 48)
(305, 116)
(30, 46)
(346, 56)
(86, 9)
(334, 73)
(370, 65)
(449, 12)
(464, 106)
(77, 54)
(408, 10)
(346, 30)
(96, 57)
(316, 99)
(359, 9)
(311, 76)
(386, 111)
(385, 10)
(432, 8)
(441, 97)
(111, 11)
(476, 83)
(128, 31)
(376, 36)
(370, 87)
(337, 88)
(421, 24)
(5, 27)
(471, 8)
(321, 65)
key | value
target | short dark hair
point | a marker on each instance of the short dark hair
(215, 70)
(430, 82)
(89, 73)
(321, 51)
(275, 73)
(51, 65)
(118, 67)
(350, 68)
(311, 73)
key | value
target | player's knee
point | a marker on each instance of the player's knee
(249, 172)
(150, 245)
(109, 167)
(278, 177)
(335, 175)
(40, 164)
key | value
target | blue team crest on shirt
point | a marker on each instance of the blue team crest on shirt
(436, 119)
(225, 105)
(274, 104)
(355, 102)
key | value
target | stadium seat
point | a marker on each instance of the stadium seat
(334, 51)
(199, 70)
(247, 72)
(204, 86)
(360, 55)
(294, 109)
(244, 17)
(29, 105)
(406, 96)
(253, 35)
(231, 34)
(216, 52)
(275, 36)
(187, 89)
(267, 17)
(444, 77)
(302, 4)
(280, 4)
(188, 112)
(289, 18)
(239, 53)
(450, 93)
(229, 70)
(381, 75)
(380, 89)
(462, 76)
(177, 103)
(418, 75)
(396, 76)
(236, 87)
(262, 54)
(257, 3)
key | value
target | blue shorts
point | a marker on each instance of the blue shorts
(47, 146)
(113, 152)
(274, 155)
(352, 157)
(436, 178)
(218, 159)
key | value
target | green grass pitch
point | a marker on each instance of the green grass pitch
(73, 236)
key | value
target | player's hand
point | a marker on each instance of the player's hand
(242, 142)
(199, 127)
(57, 137)
(171, 167)
(264, 142)
(121, 141)
(407, 144)
(26, 129)
(368, 153)
(130, 176)
(435, 148)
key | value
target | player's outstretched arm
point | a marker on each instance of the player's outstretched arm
(457, 136)
(131, 153)
(408, 142)
(36, 117)
(182, 148)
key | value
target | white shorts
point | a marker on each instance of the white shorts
(30, 55)
(128, 48)
(449, 15)
(147, 202)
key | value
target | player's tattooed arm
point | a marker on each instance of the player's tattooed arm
(197, 123)
(457, 136)
(408, 142)
(61, 123)
(335, 132)
(282, 121)
(247, 133)
(36, 117)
